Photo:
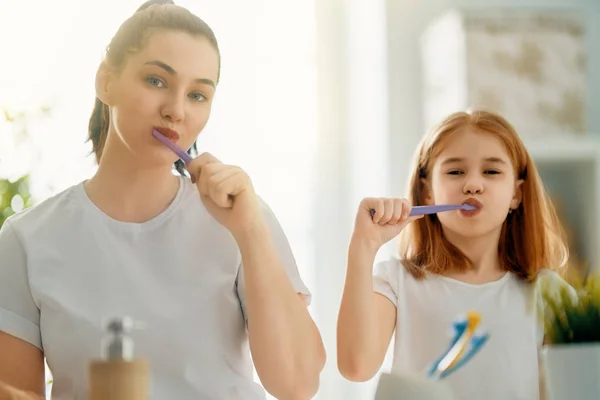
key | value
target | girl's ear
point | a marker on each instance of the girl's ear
(427, 192)
(517, 195)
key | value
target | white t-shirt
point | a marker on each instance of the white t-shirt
(65, 267)
(506, 367)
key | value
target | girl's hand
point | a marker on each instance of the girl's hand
(390, 216)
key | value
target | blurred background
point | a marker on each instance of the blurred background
(323, 103)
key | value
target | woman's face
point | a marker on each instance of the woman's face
(170, 83)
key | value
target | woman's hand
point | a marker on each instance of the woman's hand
(227, 193)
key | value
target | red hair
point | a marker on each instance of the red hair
(532, 237)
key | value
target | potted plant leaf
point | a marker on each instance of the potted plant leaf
(14, 196)
(571, 355)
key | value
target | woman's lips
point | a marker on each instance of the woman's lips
(170, 134)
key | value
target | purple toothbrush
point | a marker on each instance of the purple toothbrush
(185, 157)
(423, 210)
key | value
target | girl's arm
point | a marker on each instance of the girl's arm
(366, 319)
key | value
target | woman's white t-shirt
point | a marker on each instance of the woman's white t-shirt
(505, 368)
(65, 267)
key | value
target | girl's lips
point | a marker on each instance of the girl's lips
(472, 202)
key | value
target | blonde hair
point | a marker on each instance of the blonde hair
(532, 237)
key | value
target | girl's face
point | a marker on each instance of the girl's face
(473, 167)
(169, 83)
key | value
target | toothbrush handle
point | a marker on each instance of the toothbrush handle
(424, 210)
(182, 154)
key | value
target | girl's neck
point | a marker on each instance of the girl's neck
(482, 251)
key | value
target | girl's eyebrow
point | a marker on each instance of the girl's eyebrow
(454, 160)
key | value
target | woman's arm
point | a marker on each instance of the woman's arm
(21, 360)
(21, 368)
(286, 345)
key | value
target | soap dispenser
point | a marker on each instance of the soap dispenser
(117, 375)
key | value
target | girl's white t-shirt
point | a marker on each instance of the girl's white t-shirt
(505, 368)
(65, 267)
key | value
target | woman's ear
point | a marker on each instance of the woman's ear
(103, 83)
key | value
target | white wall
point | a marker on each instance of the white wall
(405, 22)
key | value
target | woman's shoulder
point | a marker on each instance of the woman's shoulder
(47, 211)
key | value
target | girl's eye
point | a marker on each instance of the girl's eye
(454, 172)
(492, 172)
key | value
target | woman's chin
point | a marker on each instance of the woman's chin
(158, 158)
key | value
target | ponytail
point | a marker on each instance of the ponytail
(98, 127)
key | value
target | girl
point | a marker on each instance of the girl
(452, 262)
(203, 264)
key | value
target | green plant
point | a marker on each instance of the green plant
(14, 194)
(572, 313)
(14, 197)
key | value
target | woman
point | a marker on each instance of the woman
(203, 263)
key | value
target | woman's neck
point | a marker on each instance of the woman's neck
(127, 190)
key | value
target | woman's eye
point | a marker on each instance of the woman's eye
(492, 172)
(196, 96)
(454, 172)
(154, 81)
